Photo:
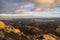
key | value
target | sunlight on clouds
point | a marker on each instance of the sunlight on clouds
(43, 1)
(37, 9)
(49, 9)
(58, 2)
(43, 5)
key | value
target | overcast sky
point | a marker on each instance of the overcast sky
(30, 8)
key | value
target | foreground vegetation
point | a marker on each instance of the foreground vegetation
(29, 30)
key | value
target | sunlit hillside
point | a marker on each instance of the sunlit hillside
(16, 30)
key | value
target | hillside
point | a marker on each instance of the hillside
(29, 30)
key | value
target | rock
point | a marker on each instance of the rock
(48, 37)
(2, 25)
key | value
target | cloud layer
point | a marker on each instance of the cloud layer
(28, 9)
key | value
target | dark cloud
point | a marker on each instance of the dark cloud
(14, 0)
(1, 6)
(12, 5)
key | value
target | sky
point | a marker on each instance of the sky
(30, 8)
